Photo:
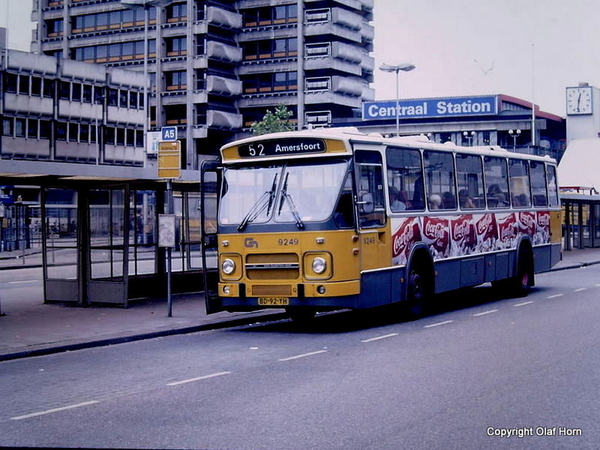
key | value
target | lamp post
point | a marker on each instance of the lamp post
(404, 67)
(514, 134)
(469, 135)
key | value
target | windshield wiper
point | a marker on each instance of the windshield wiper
(285, 196)
(265, 201)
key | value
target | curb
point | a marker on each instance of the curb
(139, 337)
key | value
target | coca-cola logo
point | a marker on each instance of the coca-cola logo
(405, 235)
(484, 223)
(543, 220)
(507, 233)
(460, 230)
(527, 220)
(435, 230)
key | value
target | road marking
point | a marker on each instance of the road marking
(53, 410)
(485, 313)
(191, 380)
(304, 355)
(23, 281)
(524, 303)
(555, 295)
(438, 324)
(580, 289)
(380, 337)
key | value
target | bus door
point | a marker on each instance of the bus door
(372, 223)
(210, 182)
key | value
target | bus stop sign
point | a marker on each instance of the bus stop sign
(169, 159)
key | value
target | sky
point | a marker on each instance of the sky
(530, 49)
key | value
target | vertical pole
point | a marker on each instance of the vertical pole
(169, 211)
(300, 73)
(397, 102)
(533, 131)
(146, 99)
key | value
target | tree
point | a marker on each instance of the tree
(274, 122)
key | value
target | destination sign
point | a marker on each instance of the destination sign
(282, 147)
(440, 107)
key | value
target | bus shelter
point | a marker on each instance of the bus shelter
(99, 243)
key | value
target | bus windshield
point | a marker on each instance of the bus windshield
(280, 193)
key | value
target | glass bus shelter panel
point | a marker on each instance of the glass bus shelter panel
(107, 232)
(61, 256)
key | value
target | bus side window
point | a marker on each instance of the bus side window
(538, 183)
(519, 183)
(469, 171)
(369, 169)
(405, 179)
(496, 179)
(440, 178)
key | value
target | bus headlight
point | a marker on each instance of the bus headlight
(319, 265)
(228, 266)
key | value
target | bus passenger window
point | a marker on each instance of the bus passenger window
(439, 177)
(538, 183)
(519, 183)
(469, 173)
(496, 177)
(405, 179)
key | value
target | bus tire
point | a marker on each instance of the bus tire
(302, 315)
(418, 292)
(520, 285)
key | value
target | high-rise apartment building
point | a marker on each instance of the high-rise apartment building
(217, 66)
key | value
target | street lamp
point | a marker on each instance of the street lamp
(404, 67)
(469, 135)
(514, 134)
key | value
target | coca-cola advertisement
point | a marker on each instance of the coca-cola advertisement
(527, 222)
(507, 230)
(463, 234)
(407, 233)
(542, 233)
(487, 232)
(436, 235)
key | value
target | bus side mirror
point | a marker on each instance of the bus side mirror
(366, 203)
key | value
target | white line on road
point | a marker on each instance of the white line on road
(304, 355)
(24, 281)
(485, 313)
(191, 380)
(380, 337)
(438, 324)
(580, 289)
(50, 411)
(555, 295)
(524, 303)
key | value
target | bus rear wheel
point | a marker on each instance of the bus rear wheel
(522, 282)
(418, 293)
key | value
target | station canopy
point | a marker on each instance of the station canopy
(579, 168)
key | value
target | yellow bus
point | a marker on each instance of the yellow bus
(332, 219)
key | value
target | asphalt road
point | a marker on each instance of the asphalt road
(481, 372)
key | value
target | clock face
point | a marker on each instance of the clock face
(579, 100)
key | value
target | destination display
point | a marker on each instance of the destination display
(282, 147)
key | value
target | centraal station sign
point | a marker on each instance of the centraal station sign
(431, 107)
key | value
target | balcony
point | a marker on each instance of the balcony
(223, 120)
(223, 52)
(223, 18)
(223, 86)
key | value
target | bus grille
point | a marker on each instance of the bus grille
(277, 266)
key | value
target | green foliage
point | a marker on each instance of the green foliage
(274, 122)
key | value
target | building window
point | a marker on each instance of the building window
(122, 98)
(32, 128)
(55, 27)
(7, 127)
(24, 84)
(176, 80)
(73, 132)
(64, 90)
(177, 12)
(20, 127)
(61, 131)
(76, 92)
(45, 129)
(10, 83)
(87, 93)
(176, 46)
(36, 86)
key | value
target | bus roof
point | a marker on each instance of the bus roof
(341, 141)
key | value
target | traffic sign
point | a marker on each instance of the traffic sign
(169, 134)
(169, 159)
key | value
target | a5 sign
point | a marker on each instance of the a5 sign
(168, 133)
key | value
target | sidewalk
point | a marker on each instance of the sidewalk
(30, 327)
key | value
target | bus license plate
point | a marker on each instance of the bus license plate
(273, 301)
